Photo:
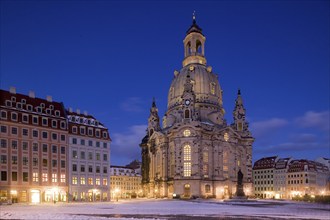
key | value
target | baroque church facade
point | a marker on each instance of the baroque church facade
(195, 153)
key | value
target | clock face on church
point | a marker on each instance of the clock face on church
(187, 102)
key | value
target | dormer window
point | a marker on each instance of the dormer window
(14, 116)
(74, 130)
(97, 133)
(51, 107)
(81, 120)
(8, 103)
(105, 135)
(18, 105)
(29, 108)
(63, 125)
(48, 111)
(57, 113)
(13, 99)
(42, 105)
(23, 101)
(39, 109)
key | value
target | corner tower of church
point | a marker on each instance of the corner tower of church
(195, 152)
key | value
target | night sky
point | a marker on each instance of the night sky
(111, 57)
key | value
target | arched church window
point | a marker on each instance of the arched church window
(187, 160)
(187, 113)
(198, 47)
(212, 88)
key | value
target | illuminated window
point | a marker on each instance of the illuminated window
(187, 152)
(82, 181)
(90, 181)
(212, 88)
(97, 181)
(44, 177)
(207, 188)
(187, 160)
(62, 178)
(74, 180)
(54, 178)
(226, 136)
(186, 133)
(35, 177)
(105, 182)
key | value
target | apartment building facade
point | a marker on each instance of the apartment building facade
(125, 182)
(89, 158)
(33, 151)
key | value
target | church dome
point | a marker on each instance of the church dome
(205, 83)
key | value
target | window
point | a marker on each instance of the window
(186, 133)
(187, 159)
(4, 114)
(90, 169)
(74, 154)
(44, 162)
(54, 123)
(57, 113)
(62, 150)
(3, 129)
(97, 169)
(105, 145)
(105, 170)
(25, 132)
(186, 113)
(74, 167)
(74, 180)
(97, 144)
(25, 161)
(82, 142)
(54, 178)
(35, 177)
(207, 188)
(62, 178)
(82, 180)
(105, 157)
(90, 143)
(35, 161)
(35, 120)
(54, 136)
(25, 118)
(74, 140)
(82, 168)
(13, 130)
(63, 125)
(54, 149)
(97, 181)
(13, 159)
(90, 181)
(14, 116)
(44, 121)
(105, 182)
(105, 135)
(25, 145)
(44, 177)
(90, 155)
(90, 131)
(44, 148)
(97, 156)
(62, 137)
(62, 163)
(82, 155)
(35, 147)
(35, 133)
(54, 163)
(3, 159)
(3, 143)
(97, 133)
(82, 130)
(74, 130)
(25, 176)
(45, 134)
(14, 176)
(3, 175)
(14, 144)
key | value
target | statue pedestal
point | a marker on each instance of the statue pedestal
(239, 195)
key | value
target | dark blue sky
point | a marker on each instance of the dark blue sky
(111, 57)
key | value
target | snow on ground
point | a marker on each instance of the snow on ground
(168, 209)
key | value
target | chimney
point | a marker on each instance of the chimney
(12, 90)
(32, 94)
(85, 113)
(70, 109)
(49, 98)
(78, 111)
